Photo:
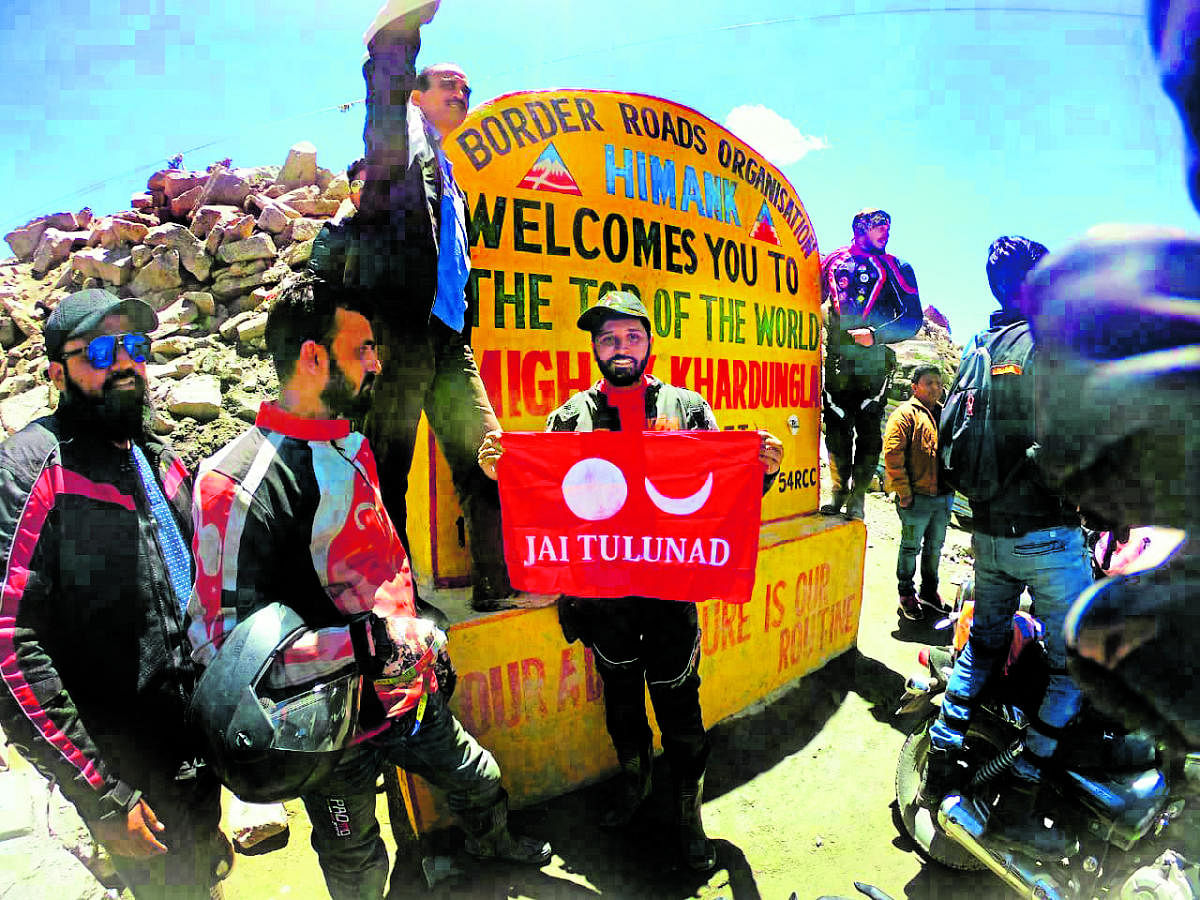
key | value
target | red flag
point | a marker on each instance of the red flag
(613, 514)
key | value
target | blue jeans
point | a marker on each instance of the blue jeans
(345, 831)
(922, 532)
(1053, 564)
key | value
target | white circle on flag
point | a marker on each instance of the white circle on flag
(594, 489)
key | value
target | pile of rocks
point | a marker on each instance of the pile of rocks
(206, 250)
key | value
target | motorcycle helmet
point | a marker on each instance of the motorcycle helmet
(264, 743)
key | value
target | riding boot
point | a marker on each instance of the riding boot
(856, 503)
(488, 836)
(840, 491)
(1017, 820)
(698, 851)
(944, 774)
(632, 788)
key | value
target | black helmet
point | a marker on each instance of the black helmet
(1010, 259)
(267, 744)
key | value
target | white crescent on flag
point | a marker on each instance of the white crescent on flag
(680, 506)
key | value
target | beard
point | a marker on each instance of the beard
(118, 414)
(342, 400)
(623, 377)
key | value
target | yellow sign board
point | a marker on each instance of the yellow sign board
(572, 193)
(536, 702)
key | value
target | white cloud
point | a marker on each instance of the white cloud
(771, 134)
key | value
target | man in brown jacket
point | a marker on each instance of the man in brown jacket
(910, 457)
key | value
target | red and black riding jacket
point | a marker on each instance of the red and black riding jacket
(93, 653)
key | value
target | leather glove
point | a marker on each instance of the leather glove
(403, 648)
(447, 678)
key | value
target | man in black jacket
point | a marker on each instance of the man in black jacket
(1027, 535)
(642, 643)
(871, 301)
(95, 521)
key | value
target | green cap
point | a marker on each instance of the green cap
(614, 303)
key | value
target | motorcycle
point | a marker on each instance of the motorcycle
(1133, 807)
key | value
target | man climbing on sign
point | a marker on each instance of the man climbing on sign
(872, 302)
(406, 250)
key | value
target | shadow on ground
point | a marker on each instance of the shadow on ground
(641, 860)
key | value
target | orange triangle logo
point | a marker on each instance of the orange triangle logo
(764, 227)
(550, 173)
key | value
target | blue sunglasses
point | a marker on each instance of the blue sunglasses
(102, 351)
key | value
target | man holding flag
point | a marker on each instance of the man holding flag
(639, 640)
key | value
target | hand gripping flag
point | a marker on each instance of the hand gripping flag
(674, 515)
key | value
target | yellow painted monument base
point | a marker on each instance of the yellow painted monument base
(536, 702)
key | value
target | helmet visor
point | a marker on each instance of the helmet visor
(319, 720)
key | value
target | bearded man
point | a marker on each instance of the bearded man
(642, 643)
(95, 526)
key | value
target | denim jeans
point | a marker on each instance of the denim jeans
(922, 532)
(345, 831)
(1053, 564)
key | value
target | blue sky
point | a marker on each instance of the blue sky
(965, 120)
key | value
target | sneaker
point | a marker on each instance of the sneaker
(515, 600)
(420, 11)
(937, 604)
(491, 604)
(855, 507)
(910, 607)
(529, 600)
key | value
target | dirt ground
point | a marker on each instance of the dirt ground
(799, 796)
